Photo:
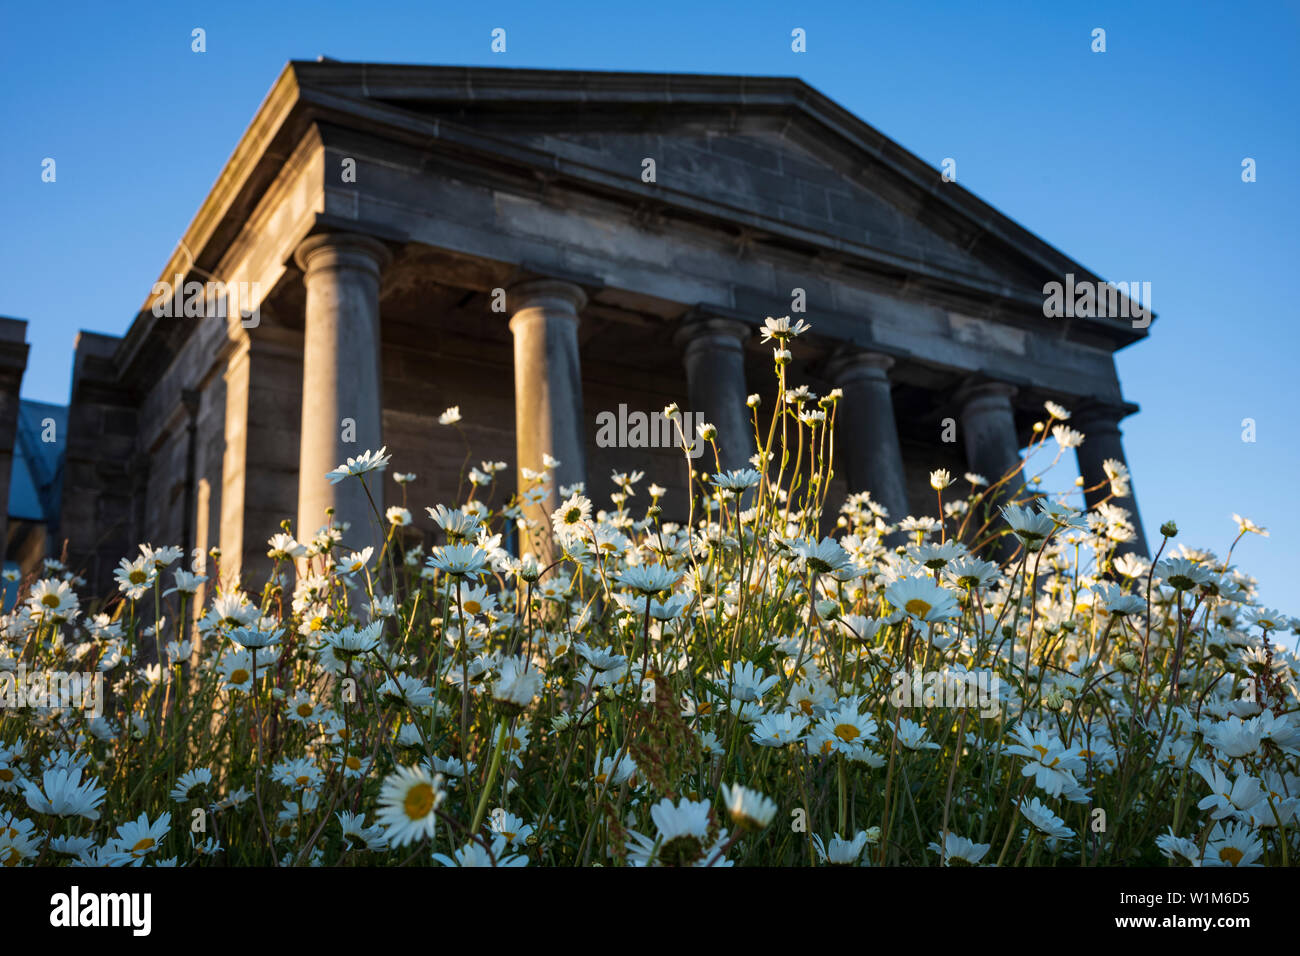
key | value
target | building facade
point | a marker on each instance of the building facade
(539, 248)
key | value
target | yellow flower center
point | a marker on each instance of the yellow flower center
(1231, 855)
(303, 780)
(305, 710)
(6, 774)
(473, 607)
(50, 600)
(573, 516)
(353, 762)
(918, 607)
(1042, 751)
(238, 675)
(144, 844)
(138, 577)
(846, 732)
(419, 801)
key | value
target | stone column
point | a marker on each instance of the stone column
(341, 387)
(714, 355)
(1099, 423)
(867, 432)
(988, 427)
(548, 386)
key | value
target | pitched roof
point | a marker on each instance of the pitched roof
(948, 235)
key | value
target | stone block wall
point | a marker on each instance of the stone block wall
(98, 520)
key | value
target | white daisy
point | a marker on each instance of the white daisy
(407, 805)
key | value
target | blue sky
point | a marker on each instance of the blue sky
(1129, 161)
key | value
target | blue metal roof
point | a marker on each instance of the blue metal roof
(36, 483)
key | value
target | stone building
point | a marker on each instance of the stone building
(539, 247)
(32, 436)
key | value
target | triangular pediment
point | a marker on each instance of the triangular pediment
(766, 178)
(770, 153)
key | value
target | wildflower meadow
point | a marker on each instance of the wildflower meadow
(778, 679)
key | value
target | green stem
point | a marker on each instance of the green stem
(491, 777)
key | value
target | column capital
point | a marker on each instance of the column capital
(1101, 414)
(849, 365)
(560, 294)
(986, 392)
(332, 250)
(712, 330)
